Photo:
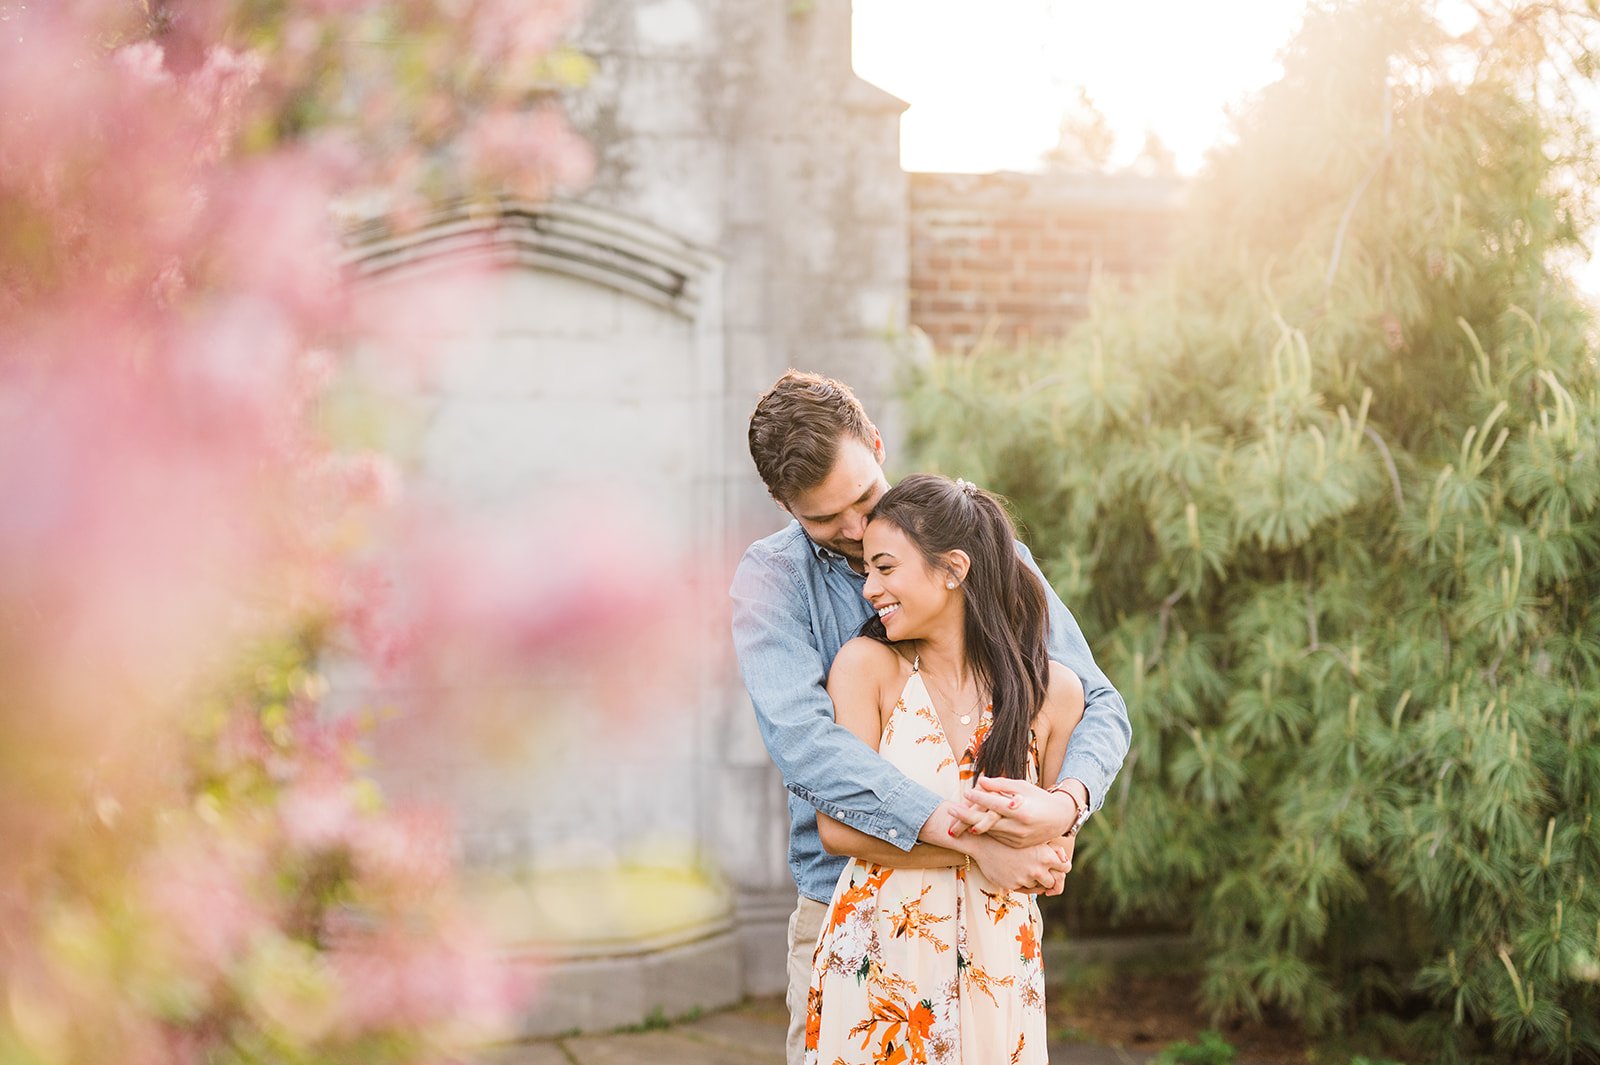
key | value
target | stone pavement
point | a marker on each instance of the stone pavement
(751, 1034)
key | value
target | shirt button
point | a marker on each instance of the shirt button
(893, 833)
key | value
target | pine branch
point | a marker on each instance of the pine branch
(1388, 462)
(1355, 197)
(1163, 620)
(1317, 644)
(1494, 667)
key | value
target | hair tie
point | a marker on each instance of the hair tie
(966, 486)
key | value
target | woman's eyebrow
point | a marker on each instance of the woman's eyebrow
(883, 554)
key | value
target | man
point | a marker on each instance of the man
(797, 599)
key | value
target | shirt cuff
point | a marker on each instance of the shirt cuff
(900, 818)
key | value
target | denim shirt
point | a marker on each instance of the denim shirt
(794, 605)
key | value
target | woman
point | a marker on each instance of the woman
(950, 679)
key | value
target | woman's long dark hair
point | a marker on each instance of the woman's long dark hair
(1006, 612)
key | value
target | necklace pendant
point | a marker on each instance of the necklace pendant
(966, 719)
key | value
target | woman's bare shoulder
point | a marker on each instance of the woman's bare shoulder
(866, 658)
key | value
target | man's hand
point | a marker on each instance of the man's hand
(1064, 847)
(1017, 813)
(1036, 870)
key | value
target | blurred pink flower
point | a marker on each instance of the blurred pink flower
(479, 599)
(453, 977)
(529, 152)
(172, 287)
(519, 31)
(204, 892)
(319, 812)
(128, 530)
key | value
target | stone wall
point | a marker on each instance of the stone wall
(1008, 259)
(741, 125)
(748, 214)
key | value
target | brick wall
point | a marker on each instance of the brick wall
(1006, 259)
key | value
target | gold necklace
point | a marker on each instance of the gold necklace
(966, 718)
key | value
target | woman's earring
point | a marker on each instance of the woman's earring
(950, 584)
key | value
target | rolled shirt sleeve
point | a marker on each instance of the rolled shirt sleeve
(785, 673)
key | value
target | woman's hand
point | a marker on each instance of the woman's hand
(1015, 812)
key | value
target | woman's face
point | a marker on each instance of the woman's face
(909, 595)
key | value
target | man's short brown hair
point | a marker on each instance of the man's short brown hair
(796, 428)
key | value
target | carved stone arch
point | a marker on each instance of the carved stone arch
(594, 357)
(597, 311)
(609, 248)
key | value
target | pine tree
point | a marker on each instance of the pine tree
(1326, 498)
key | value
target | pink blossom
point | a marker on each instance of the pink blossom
(520, 31)
(318, 813)
(411, 851)
(174, 298)
(486, 600)
(452, 979)
(529, 151)
(203, 893)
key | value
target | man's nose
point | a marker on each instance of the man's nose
(855, 526)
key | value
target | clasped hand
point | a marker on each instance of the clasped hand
(1014, 812)
(1022, 824)
(1040, 869)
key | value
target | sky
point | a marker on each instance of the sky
(989, 81)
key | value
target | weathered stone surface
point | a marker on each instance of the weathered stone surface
(603, 993)
(747, 214)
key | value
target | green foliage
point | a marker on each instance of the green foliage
(1211, 1049)
(1327, 498)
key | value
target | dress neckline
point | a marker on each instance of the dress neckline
(938, 723)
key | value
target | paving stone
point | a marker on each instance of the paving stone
(1093, 1054)
(665, 1048)
(746, 1030)
(540, 1053)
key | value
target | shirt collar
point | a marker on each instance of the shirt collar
(830, 556)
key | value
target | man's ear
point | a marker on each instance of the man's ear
(959, 563)
(877, 447)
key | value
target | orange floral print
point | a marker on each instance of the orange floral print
(886, 986)
(998, 904)
(912, 920)
(910, 1025)
(980, 980)
(856, 895)
(1030, 945)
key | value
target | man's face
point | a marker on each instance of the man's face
(834, 513)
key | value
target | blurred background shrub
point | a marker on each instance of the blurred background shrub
(1326, 498)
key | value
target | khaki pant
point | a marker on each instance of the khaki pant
(805, 925)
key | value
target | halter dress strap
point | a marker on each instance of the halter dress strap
(916, 661)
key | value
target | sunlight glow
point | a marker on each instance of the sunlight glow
(988, 83)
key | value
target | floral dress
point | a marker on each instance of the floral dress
(927, 966)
